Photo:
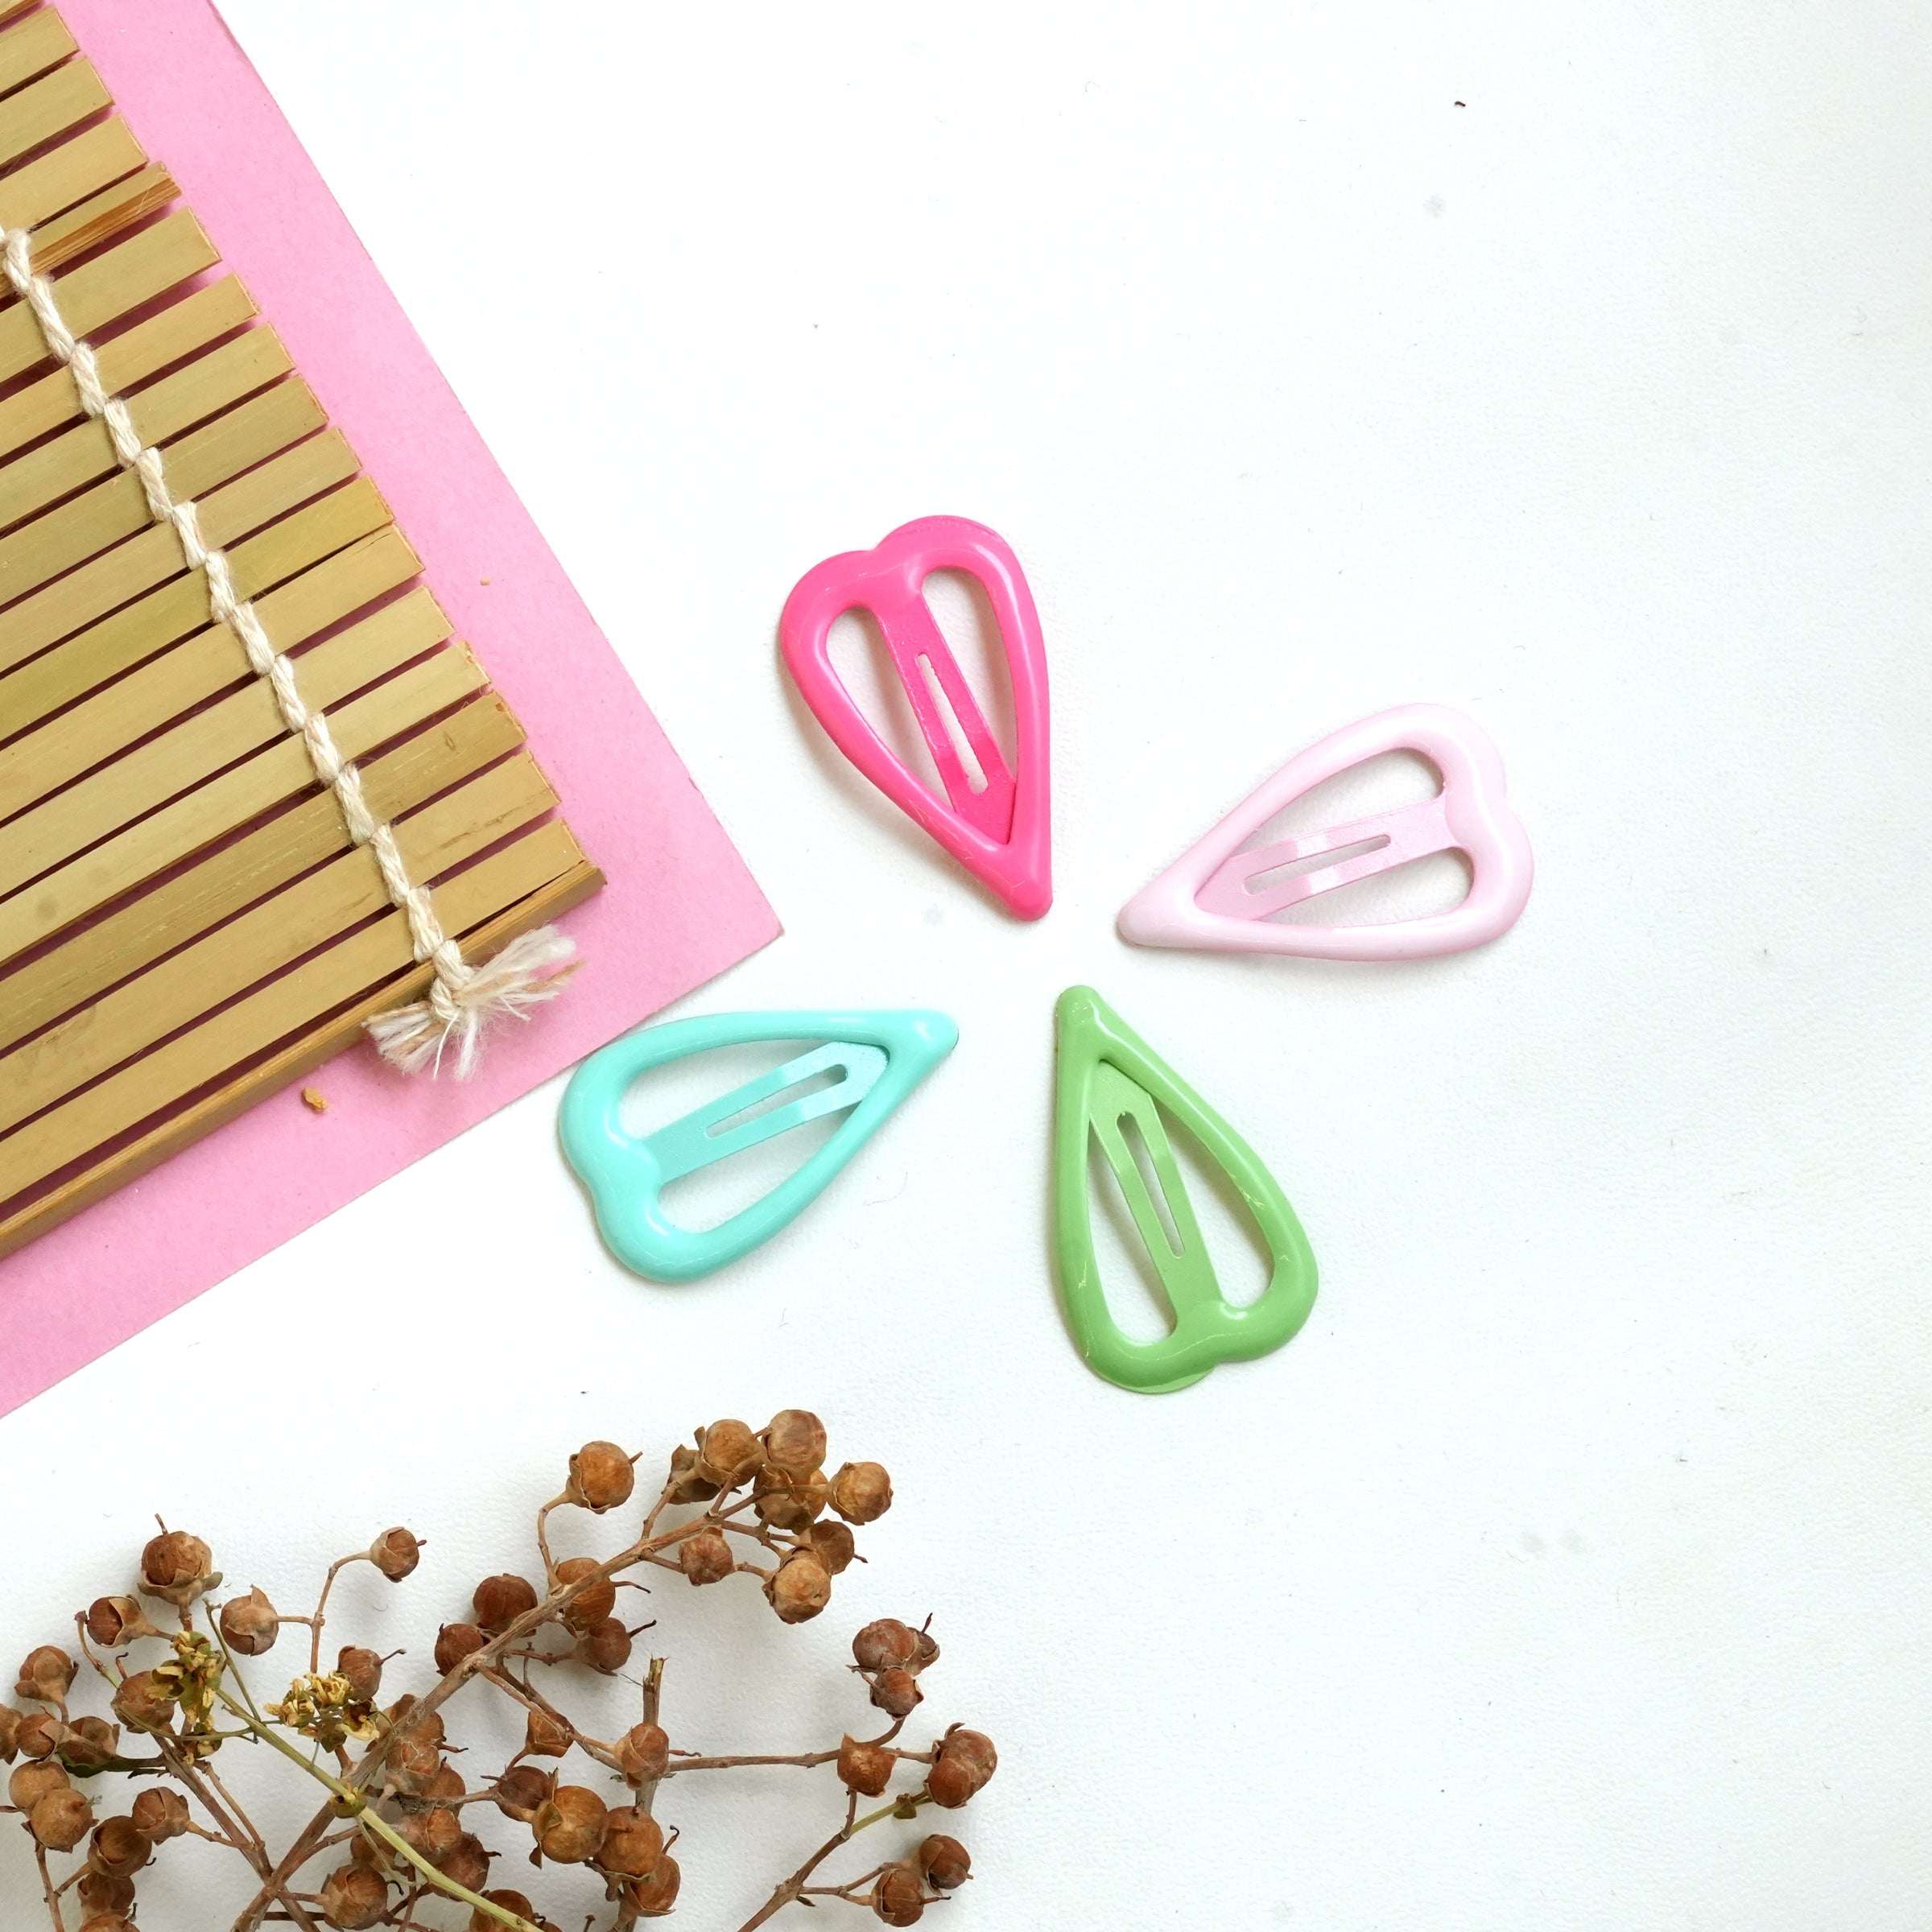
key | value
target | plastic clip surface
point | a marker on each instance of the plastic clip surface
(1000, 833)
(879, 1059)
(1217, 898)
(1109, 1076)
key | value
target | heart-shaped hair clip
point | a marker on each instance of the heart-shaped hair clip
(875, 1060)
(999, 830)
(1218, 898)
(1109, 1077)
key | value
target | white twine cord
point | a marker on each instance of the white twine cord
(462, 997)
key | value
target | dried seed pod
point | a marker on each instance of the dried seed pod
(800, 1590)
(592, 1605)
(545, 1735)
(39, 1734)
(46, 1675)
(354, 1898)
(785, 1501)
(727, 1452)
(177, 1567)
(569, 1826)
(865, 1768)
(896, 1692)
(120, 1848)
(643, 1753)
(90, 1745)
(521, 1790)
(31, 1783)
(10, 1734)
(113, 1621)
(108, 1921)
(455, 1642)
(652, 1897)
(706, 1558)
(962, 1762)
(685, 1485)
(862, 1492)
(445, 1787)
(886, 1645)
(929, 1650)
(415, 1753)
(832, 1545)
(396, 1552)
(161, 1812)
(605, 1646)
(61, 1819)
(510, 1901)
(429, 1727)
(500, 1600)
(944, 1861)
(601, 1477)
(468, 1864)
(899, 1896)
(105, 1897)
(795, 1439)
(363, 1669)
(250, 1624)
(435, 1833)
(413, 1766)
(633, 1844)
(143, 1704)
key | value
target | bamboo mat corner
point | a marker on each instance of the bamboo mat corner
(185, 926)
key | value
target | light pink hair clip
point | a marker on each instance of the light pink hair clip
(1218, 898)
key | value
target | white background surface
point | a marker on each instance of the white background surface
(1571, 1568)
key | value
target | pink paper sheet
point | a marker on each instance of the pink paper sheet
(680, 905)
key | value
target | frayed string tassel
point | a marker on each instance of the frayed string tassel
(530, 970)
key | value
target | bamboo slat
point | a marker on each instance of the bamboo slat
(292, 1061)
(263, 941)
(347, 970)
(166, 410)
(85, 526)
(113, 284)
(223, 805)
(192, 902)
(137, 631)
(123, 573)
(75, 172)
(57, 242)
(183, 757)
(36, 114)
(182, 329)
(159, 414)
(185, 924)
(28, 50)
(162, 691)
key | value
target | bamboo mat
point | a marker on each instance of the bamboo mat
(184, 925)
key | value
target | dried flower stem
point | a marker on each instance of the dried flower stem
(47, 1885)
(400, 1803)
(794, 1886)
(315, 1623)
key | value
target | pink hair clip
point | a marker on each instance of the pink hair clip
(999, 831)
(1218, 897)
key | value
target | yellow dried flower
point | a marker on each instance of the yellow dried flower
(326, 1707)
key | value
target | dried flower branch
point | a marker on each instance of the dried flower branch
(399, 1827)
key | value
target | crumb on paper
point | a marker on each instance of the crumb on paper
(484, 581)
(314, 1099)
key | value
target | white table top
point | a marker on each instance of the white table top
(1571, 369)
